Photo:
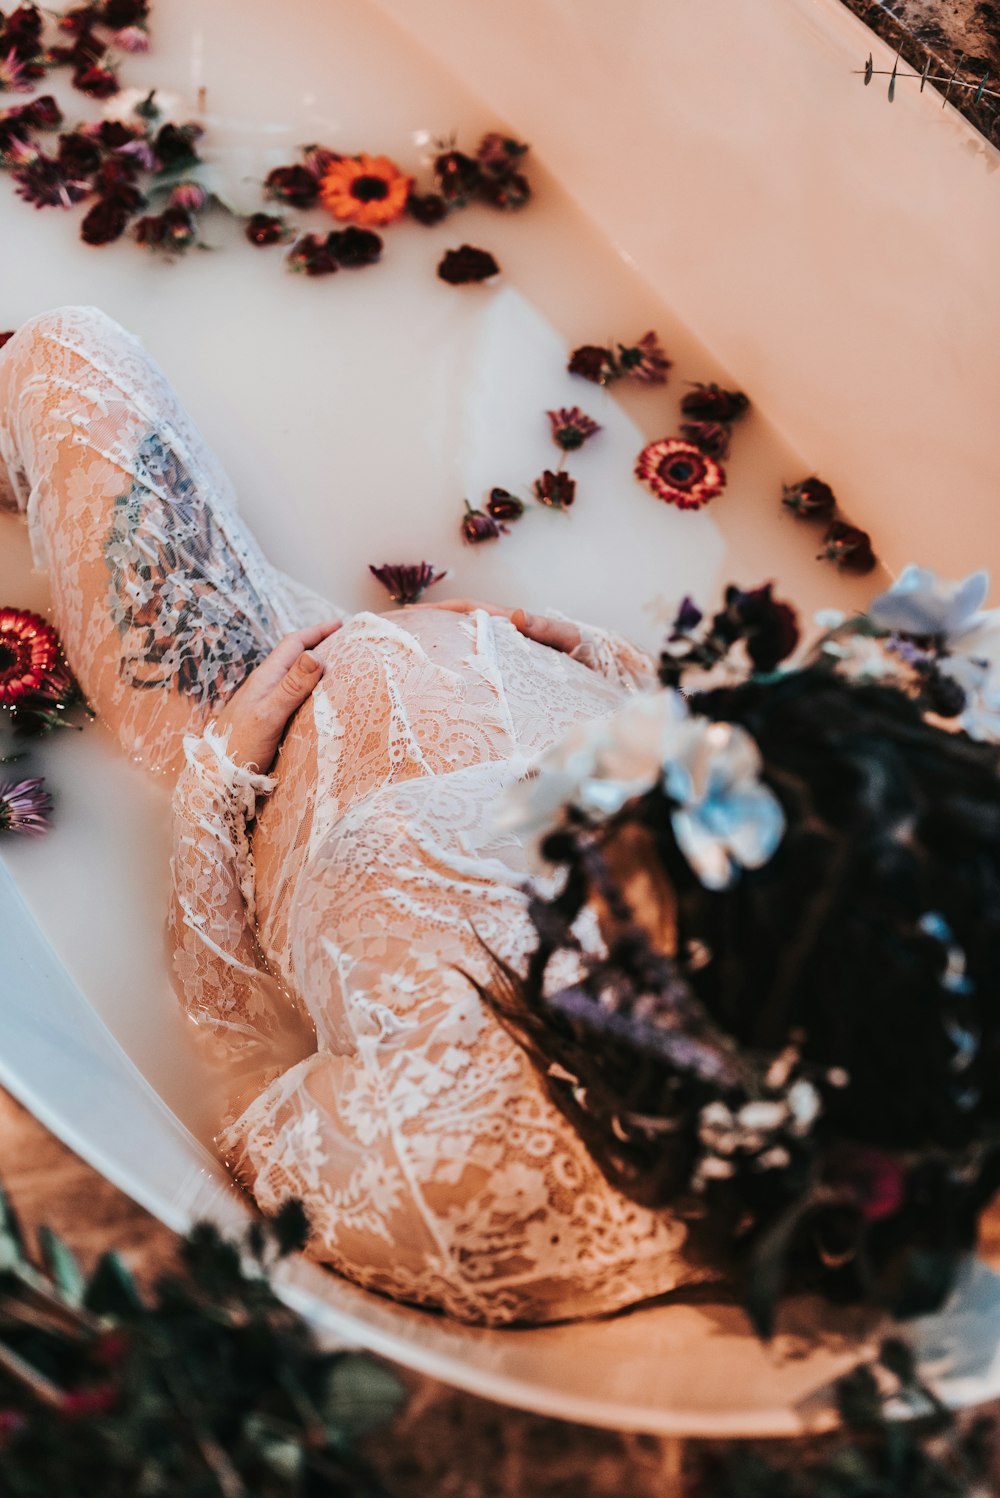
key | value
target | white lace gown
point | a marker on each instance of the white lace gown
(324, 917)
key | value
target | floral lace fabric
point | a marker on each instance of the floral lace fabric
(325, 917)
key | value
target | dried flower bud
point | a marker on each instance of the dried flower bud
(458, 177)
(191, 197)
(849, 547)
(710, 437)
(354, 248)
(598, 365)
(710, 403)
(405, 582)
(295, 185)
(311, 255)
(571, 427)
(503, 505)
(265, 229)
(508, 193)
(466, 265)
(809, 500)
(557, 490)
(476, 526)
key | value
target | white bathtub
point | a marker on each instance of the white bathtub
(724, 177)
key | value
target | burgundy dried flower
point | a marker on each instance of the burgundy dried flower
(354, 247)
(769, 628)
(24, 807)
(13, 74)
(45, 184)
(294, 185)
(680, 473)
(499, 154)
(6, 337)
(118, 13)
(133, 157)
(97, 81)
(15, 153)
(405, 581)
(571, 427)
(311, 256)
(557, 490)
(78, 156)
(712, 437)
(179, 229)
(502, 505)
(849, 547)
(81, 18)
(189, 196)
(41, 114)
(596, 364)
(132, 39)
(30, 656)
(710, 403)
(509, 193)
(427, 208)
(810, 500)
(105, 222)
(23, 30)
(265, 229)
(15, 139)
(476, 526)
(175, 145)
(644, 360)
(110, 133)
(458, 177)
(150, 231)
(466, 265)
(317, 160)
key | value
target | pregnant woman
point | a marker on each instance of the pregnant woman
(324, 915)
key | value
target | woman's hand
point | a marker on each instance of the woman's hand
(258, 711)
(560, 634)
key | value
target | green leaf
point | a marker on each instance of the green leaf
(361, 1394)
(892, 80)
(982, 84)
(112, 1291)
(61, 1263)
(869, 65)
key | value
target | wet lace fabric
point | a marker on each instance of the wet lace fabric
(325, 916)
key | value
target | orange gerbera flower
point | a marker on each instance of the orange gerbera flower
(365, 189)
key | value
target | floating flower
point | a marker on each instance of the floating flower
(365, 189)
(508, 193)
(105, 222)
(174, 146)
(467, 264)
(502, 505)
(132, 39)
(768, 627)
(311, 255)
(571, 428)
(294, 185)
(710, 403)
(24, 807)
(405, 582)
(318, 160)
(809, 500)
(593, 363)
(427, 208)
(922, 603)
(687, 618)
(30, 657)
(477, 526)
(265, 229)
(849, 547)
(458, 177)
(98, 82)
(645, 360)
(179, 229)
(150, 231)
(191, 197)
(118, 13)
(41, 114)
(13, 74)
(45, 184)
(711, 437)
(353, 248)
(557, 490)
(679, 473)
(78, 155)
(499, 154)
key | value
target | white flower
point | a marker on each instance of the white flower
(922, 603)
(860, 658)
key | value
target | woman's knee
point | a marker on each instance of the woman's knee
(83, 330)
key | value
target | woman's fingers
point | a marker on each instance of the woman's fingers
(300, 678)
(559, 634)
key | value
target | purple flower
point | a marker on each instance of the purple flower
(557, 490)
(317, 160)
(499, 154)
(405, 582)
(45, 184)
(710, 437)
(688, 617)
(593, 363)
(645, 360)
(477, 526)
(503, 505)
(467, 264)
(571, 427)
(510, 193)
(24, 807)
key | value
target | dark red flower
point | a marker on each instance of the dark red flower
(645, 360)
(809, 500)
(6, 337)
(105, 221)
(712, 437)
(30, 656)
(99, 1399)
(189, 196)
(598, 365)
(428, 209)
(769, 628)
(571, 427)
(502, 505)
(118, 13)
(41, 114)
(45, 184)
(98, 82)
(849, 547)
(354, 247)
(312, 256)
(80, 18)
(78, 155)
(150, 231)
(710, 403)
(406, 581)
(458, 177)
(22, 31)
(467, 264)
(174, 146)
(110, 133)
(499, 154)
(317, 160)
(294, 185)
(179, 229)
(265, 229)
(680, 473)
(557, 490)
(477, 526)
(509, 193)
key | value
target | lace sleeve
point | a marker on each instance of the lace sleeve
(611, 656)
(255, 1025)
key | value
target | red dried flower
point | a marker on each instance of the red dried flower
(710, 403)
(174, 146)
(849, 547)
(179, 229)
(105, 222)
(295, 185)
(118, 13)
(679, 473)
(97, 81)
(499, 154)
(768, 627)
(509, 193)
(353, 247)
(502, 505)
(191, 197)
(150, 231)
(78, 155)
(644, 360)
(99, 1399)
(318, 160)
(557, 490)
(23, 29)
(265, 229)
(311, 256)
(466, 265)
(41, 114)
(458, 177)
(132, 39)
(428, 209)
(476, 526)
(571, 427)
(44, 183)
(598, 365)
(809, 500)
(30, 656)
(6, 337)
(13, 73)
(712, 437)
(404, 581)
(24, 807)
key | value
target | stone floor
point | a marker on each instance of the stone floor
(960, 36)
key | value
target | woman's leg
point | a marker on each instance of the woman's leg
(162, 597)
